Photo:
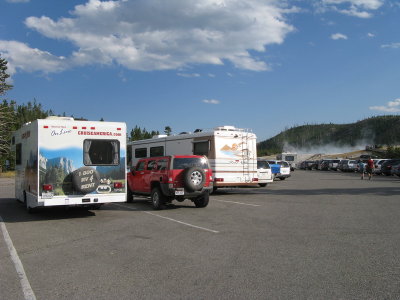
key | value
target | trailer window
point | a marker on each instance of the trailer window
(201, 148)
(18, 154)
(140, 152)
(101, 152)
(289, 158)
(183, 163)
(156, 151)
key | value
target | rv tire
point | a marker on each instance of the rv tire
(194, 178)
(262, 184)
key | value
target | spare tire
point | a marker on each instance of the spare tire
(85, 180)
(194, 179)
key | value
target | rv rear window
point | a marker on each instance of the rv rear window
(140, 152)
(156, 151)
(18, 154)
(101, 152)
(201, 148)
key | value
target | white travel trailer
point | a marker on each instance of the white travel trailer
(63, 162)
(231, 151)
(290, 158)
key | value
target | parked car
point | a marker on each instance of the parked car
(285, 170)
(264, 172)
(396, 170)
(378, 165)
(308, 165)
(333, 164)
(325, 165)
(167, 178)
(275, 168)
(387, 166)
(348, 165)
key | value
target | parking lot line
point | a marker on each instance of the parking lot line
(169, 219)
(249, 204)
(26, 287)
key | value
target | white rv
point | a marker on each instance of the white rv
(290, 158)
(63, 162)
(231, 152)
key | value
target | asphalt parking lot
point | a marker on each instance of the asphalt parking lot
(316, 235)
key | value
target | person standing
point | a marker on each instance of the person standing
(370, 168)
(361, 168)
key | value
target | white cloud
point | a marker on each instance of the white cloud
(392, 106)
(18, 1)
(338, 36)
(354, 8)
(189, 75)
(371, 35)
(21, 56)
(392, 45)
(211, 101)
(158, 35)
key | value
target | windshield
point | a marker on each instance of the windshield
(187, 162)
(262, 164)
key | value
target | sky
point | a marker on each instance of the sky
(264, 65)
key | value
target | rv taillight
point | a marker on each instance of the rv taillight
(219, 179)
(255, 179)
(118, 185)
(47, 187)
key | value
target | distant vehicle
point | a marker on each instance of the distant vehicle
(280, 169)
(308, 165)
(334, 164)
(348, 165)
(264, 172)
(386, 167)
(325, 165)
(290, 158)
(167, 178)
(378, 166)
(64, 162)
(275, 168)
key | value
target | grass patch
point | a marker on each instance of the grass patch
(8, 174)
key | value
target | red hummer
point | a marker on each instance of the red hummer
(167, 178)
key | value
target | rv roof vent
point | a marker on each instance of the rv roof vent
(59, 118)
(198, 130)
(226, 128)
(159, 136)
(184, 132)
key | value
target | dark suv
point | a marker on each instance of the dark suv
(167, 178)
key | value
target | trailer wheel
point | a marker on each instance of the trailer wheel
(194, 178)
(157, 198)
(262, 184)
(202, 201)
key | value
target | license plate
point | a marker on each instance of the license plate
(179, 193)
(47, 195)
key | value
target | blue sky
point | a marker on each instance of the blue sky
(266, 65)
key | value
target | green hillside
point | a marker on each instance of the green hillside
(382, 130)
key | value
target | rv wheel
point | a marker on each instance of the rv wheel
(194, 178)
